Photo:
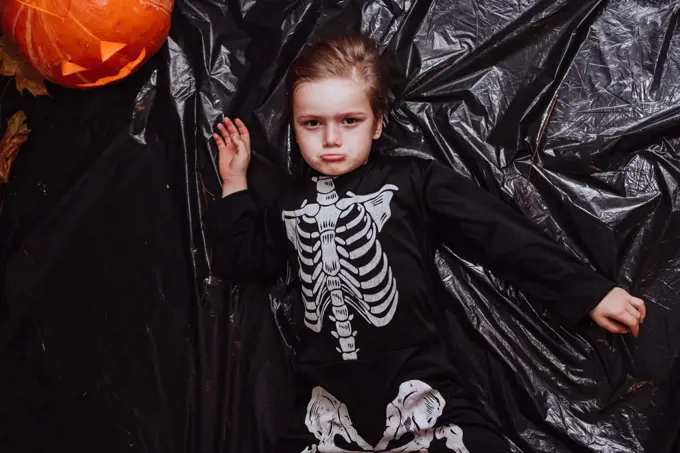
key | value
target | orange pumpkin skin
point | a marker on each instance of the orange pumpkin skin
(86, 43)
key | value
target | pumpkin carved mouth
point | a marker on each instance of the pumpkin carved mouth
(124, 72)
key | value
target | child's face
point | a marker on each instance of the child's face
(334, 124)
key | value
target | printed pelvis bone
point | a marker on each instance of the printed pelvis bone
(327, 418)
(414, 411)
(343, 266)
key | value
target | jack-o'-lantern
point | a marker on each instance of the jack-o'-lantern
(86, 43)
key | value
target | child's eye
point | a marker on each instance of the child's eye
(351, 121)
(312, 123)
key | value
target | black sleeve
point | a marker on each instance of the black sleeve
(251, 242)
(484, 229)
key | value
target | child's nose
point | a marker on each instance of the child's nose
(331, 136)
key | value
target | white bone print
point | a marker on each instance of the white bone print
(326, 418)
(341, 260)
(414, 411)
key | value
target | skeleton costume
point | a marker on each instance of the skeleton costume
(373, 374)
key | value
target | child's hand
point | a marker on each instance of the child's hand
(234, 154)
(619, 312)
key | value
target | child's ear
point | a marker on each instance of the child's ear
(378, 126)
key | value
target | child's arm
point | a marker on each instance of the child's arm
(471, 221)
(251, 242)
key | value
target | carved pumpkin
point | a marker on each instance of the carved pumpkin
(86, 43)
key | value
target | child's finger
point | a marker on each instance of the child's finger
(629, 321)
(225, 134)
(243, 130)
(639, 304)
(634, 313)
(218, 141)
(612, 326)
(230, 127)
(240, 145)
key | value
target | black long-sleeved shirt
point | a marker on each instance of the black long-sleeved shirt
(365, 244)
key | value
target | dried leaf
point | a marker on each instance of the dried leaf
(15, 135)
(12, 64)
(635, 386)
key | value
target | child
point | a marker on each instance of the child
(373, 374)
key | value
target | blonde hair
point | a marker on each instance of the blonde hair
(347, 55)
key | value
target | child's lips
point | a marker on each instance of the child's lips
(332, 157)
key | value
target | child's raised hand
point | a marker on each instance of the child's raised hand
(619, 312)
(233, 144)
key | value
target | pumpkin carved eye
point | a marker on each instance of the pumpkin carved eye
(84, 43)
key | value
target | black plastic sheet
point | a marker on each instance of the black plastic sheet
(119, 333)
